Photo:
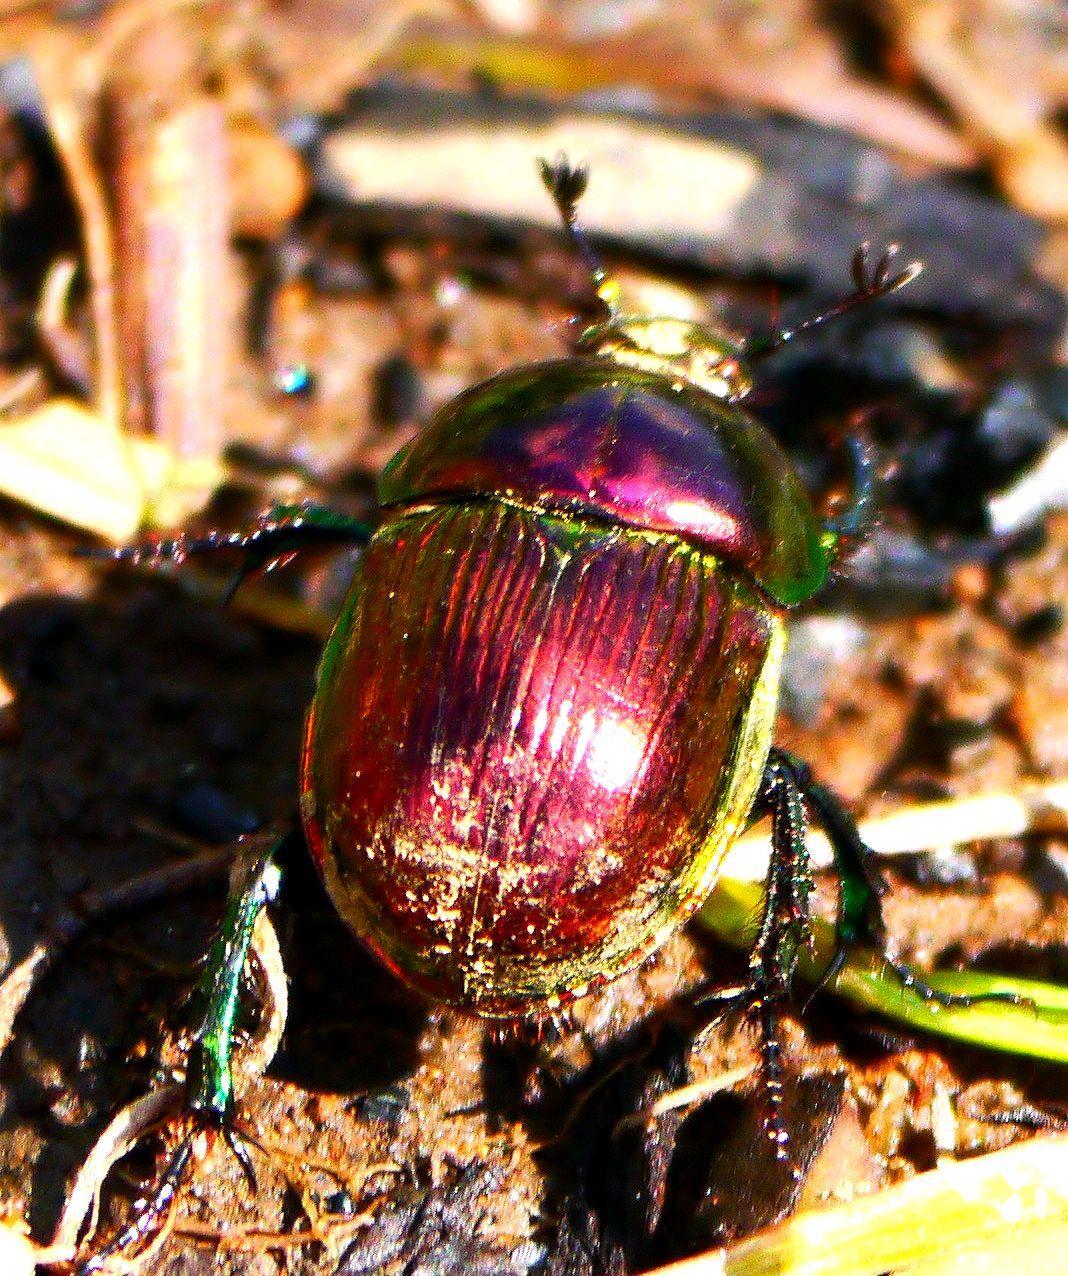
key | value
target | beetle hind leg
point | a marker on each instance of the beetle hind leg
(786, 790)
(861, 888)
(209, 1098)
(784, 928)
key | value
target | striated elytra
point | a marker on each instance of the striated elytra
(545, 711)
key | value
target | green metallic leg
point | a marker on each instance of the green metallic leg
(210, 1085)
(209, 1100)
(852, 523)
(278, 535)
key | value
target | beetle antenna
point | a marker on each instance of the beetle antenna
(871, 282)
(567, 183)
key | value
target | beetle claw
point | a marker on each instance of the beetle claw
(239, 1148)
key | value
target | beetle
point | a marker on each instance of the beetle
(546, 709)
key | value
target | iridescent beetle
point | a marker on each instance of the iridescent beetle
(546, 709)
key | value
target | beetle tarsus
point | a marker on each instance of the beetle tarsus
(787, 788)
(149, 1212)
(785, 926)
(254, 883)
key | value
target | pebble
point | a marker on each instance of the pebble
(10, 724)
(204, 811)
(1038, 625)
(900, 353)
(970, 583)
(946, 867)
(396, 392)
(1040, 711)
(270, 181)
(1012, 429)
(894, 573)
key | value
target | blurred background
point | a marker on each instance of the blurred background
(246, 251)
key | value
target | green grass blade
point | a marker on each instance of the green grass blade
(1039, 1029)
(1003, 1212)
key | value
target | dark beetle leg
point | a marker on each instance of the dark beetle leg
(786, 789)
(209, 1084)
(861, 887)
(277, 535)
(149, 1213)
(784, 928)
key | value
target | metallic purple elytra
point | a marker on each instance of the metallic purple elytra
(544, 713)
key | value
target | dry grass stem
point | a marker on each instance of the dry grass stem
(1041, 807)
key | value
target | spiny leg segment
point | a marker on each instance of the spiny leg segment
(787, 788)
(277, 536)
(784, 927)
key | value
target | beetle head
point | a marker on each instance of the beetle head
(677, 348)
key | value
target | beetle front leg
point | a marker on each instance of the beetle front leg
(279, 534)
(209, 1098)
(854, 521)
